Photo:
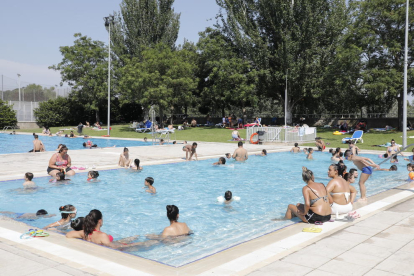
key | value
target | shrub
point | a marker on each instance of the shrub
(7, 115)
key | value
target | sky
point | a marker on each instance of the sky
(31, 32)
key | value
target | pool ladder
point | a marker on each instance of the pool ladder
(6, 128)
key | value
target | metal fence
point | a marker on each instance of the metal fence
(282, 134)
(24, 110)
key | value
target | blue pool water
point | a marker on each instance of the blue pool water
(266, 186)
(23, 143)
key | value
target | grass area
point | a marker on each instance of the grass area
(205, 134)
(370, 138)
(212, 134)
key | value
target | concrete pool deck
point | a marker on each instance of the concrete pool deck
(374, 244)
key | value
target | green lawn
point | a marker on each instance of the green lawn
(206, 134)
(212, 134)
(370, 138)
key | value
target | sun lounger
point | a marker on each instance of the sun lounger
(357, 136)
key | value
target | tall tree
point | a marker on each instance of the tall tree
(144, 23)
(293, 38)
(378, 31)
(161, 77)
(85, 68)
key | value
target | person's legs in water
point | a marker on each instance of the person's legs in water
(292, 211)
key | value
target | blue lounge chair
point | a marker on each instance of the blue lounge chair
(357, 136)
(147, 127)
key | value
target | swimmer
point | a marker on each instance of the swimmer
(190, 151)
(42, 213)
(71, 135)
(331, 151)
(162, 142)
(394, 159)
(13, 133)
(28, 183)
(68, 212)
(92, 176)
(295, 149)
(149, 181)
(385, 156)
(228, 198)
(136, 166)
(228, 155)
(124, 160)
(410, 158)
(264, 152)
(92, 232)
(366, 165)
(309, 156)
(60, 176)
(305, 150)
(145, 139)
(176, 228)
(240, 154)
(393, 168)
(355, 150)
(221, 161)
(77, 223)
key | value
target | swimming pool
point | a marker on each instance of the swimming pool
(266, 186)
(23, 143)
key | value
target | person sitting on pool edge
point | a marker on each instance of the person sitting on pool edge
(124, 160)
(221, 161)
(28, 183)
(176, 228)
(316, 207)
(68, 212)
(190, 150)
(342, 194)
(149, 181)
(60, 161)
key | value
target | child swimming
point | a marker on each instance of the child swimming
(29, 184)
(228, 198)
(93, 176)
(149, 181)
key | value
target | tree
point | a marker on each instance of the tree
(225, 79)
(55, 112)
(160, 77)
(378, 31)
(144, 23)
(282, 38)
(7, 115)
(84, 67)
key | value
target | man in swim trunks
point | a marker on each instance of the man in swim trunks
(366, 166)
(320, 144)
(240, 154)
(38, 145)
(190, 150)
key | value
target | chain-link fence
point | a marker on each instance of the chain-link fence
(25, 96)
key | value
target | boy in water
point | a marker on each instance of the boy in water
(28, 184)
(221, 161)
(393, 168)
(295, 149)
(366, 166)
(148, 183)
(309, 156)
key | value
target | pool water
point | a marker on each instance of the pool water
(21, 143)
(266, 186)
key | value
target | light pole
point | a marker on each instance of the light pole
(18, 75)
(287, 71)
(108, 21)
(405, 78)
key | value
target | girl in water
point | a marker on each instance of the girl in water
(136, 165)
(309, 156)
(68, 212)
(176, 228)
(92, 176)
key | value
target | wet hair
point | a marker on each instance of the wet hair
(66, 208)
(307, 175)
(194, 144)
(305, 149)
(228, 155)
(310, 150)
(41, 212)
(341, 154)
(223, 160)
(264, 151)
(393, 168)
(94, 174)
(126, 149)
(162, 140)
(84, 144)
(29, 176)
(228, 195)
(61, 176)
(240, 144)
(150, 180)
(174, 142)
(394, 156)
(136, 162)
(172, 212)
(77, 224)
(91, 221)
(385, 155)
(351, 171)
(296, 145)
(62, 148)
(36, 136)
(331, 151)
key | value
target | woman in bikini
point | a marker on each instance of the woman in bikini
(393, 149)
(316, 207)
(68, 212)
(92, 232)
(343, 194)
(60, 162)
